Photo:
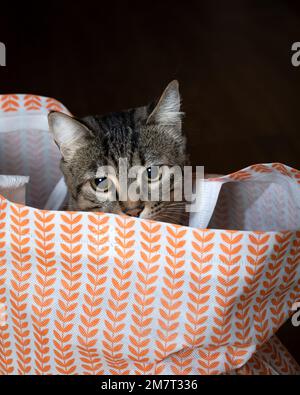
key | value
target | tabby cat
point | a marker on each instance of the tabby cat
(146, 136)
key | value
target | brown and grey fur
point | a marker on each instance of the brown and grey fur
(147, 136)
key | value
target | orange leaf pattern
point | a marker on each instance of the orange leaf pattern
(171, 301)
(71, 272)
(10, 103)
(44, 288)
(5, 344)
(116, 307)
(144, 297)
(97, 293)
(20, 283)
(93, 299)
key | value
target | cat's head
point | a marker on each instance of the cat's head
(145, 136)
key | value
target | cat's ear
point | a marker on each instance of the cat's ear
(68, 133)
(167, 110)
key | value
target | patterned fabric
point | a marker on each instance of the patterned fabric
(26, 148)
(271, 359)
(92, 293)
(261, 197)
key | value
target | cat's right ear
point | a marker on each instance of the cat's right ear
(68, 133)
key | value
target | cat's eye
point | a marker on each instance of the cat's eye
(153, 173)
(100, 184)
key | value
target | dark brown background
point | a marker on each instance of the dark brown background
(232, 59)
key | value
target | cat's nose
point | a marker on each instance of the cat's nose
(134, 211)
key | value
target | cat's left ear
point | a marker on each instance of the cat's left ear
(167, 110)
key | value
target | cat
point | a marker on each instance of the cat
(148, 136)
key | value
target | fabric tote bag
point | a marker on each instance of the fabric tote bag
(94, 293)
